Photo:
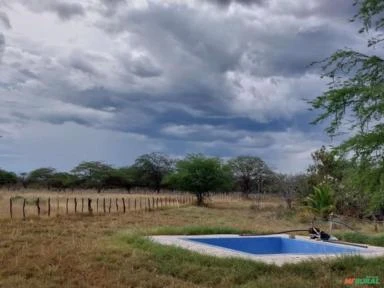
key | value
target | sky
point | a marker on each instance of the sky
(109, 80)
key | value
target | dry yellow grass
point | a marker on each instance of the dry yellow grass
(79, 251)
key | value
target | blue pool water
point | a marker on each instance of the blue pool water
(276, 245)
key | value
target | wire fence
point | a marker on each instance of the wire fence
(334, 221)
(22, 207)
(28, 206)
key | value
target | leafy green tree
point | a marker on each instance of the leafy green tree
(354, 99)
(7, 179)
(200, 175)
(121, 178)
(41, 177)
(93, 174)
(327, 167)
(152, 168)
(63, 181)
(249, 172)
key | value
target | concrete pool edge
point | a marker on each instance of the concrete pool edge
(277, 259)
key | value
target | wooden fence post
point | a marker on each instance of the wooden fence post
(90, 210)
(149, 204)
(66, 206)
(153, 203)
(110, 205)
(140, 204)
(129, 204)
(75, 200)
(104, 206)
(123, 200)
(97, 205)
(82, 205)
(157, 203)
(117, 205)
(49, 207)
(38, 206)
(24, 209)
(10, 207)
(135, 204)
(57, 206)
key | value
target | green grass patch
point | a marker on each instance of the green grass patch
(197, 268)
(377, 240)
(198, 230)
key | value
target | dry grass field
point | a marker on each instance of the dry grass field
(109, 250)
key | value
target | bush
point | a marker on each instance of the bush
(321, 201)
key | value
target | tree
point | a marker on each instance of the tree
(63, 181)
(152, 168)
(7, 178)
(355, 94)
(291, 187)
(327, 167)
(249, 172)
(23, 179)
(120, 178)
(199, 174)
(41, 177)
(354, 99)
(93, 174)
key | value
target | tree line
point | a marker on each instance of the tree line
(195, 173)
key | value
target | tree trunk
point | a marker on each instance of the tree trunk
(200, 199)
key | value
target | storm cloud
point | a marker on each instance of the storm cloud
(243, 2)
(65, 10)
(4, 20)
(171, 76)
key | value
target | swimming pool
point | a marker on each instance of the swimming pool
(272, 249)
(277, 245)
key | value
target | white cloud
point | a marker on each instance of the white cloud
(269, 98)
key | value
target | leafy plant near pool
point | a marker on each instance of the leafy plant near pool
(321, 201)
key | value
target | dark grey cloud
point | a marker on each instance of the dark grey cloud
(5, 20)
(342, 10)
(2, 45)
(143, 67)
(175, 47)
(66, 11)
(292, 54)
(229, 2)
(28, 73)
(112, 4)
(63, 9)
(81, 63)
